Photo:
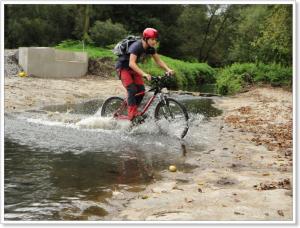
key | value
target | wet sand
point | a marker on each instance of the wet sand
(254, 134)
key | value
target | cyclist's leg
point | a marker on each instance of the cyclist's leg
(128, 83)
(139, 98)
(132, 106)
(138, 80)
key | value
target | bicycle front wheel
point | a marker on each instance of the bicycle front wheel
(173, 117)
(113, 107)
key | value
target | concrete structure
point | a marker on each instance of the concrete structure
(48, 62)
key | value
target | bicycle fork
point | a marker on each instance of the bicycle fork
(166, 107)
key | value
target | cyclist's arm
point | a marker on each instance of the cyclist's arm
(160, 62)
(134, 66)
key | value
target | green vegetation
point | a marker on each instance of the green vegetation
(105, 33)
(232, 79)
(93, 51)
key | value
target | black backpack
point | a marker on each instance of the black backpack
(122, 47)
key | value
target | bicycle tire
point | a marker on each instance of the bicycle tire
(111, 106)
(175, 113)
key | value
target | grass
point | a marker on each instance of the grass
(93, 52)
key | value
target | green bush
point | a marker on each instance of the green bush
(106, 33)
(228, 81)
(232, 79)
(275, 74)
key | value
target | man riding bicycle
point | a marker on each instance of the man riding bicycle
(130, 73)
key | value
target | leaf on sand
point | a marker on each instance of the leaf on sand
(280, 212)
(238, 213)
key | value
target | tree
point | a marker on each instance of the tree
(207, 29)
(86, 26)
(276, 37)
(82, 22)
(191, 25)
(37, 25)
(223, 19)
(106, 33)
(212, 10)
(251, 19)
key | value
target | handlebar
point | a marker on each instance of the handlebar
(159, 82)
(158, 77)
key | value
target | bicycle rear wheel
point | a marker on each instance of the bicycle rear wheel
(113, 107)
(173, 117)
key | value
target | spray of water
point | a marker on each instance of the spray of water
(96, 122)
(107, 123)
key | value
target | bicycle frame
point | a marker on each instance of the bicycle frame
(146, 106)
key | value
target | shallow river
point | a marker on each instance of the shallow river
(63, 162)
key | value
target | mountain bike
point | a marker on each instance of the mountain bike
(168, 112)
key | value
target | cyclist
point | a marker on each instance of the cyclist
(132, 75)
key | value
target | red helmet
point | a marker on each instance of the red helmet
(150, 33)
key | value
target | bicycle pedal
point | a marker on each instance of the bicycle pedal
(144, 116)
(138, 120)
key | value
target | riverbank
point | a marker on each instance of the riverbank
(27, 93)
(254, 134)
(255, 131)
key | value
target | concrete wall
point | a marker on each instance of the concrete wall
(51, 63)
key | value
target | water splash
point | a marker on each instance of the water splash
(107, 123)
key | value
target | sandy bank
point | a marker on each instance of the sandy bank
(27, 93)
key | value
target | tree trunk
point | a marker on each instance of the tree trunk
(217, 35)
(86, 25)
(206, 33)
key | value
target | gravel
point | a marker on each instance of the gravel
(11, 66)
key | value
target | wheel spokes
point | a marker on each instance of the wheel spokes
(175, 115)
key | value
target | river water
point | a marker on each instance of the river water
(63, 162)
